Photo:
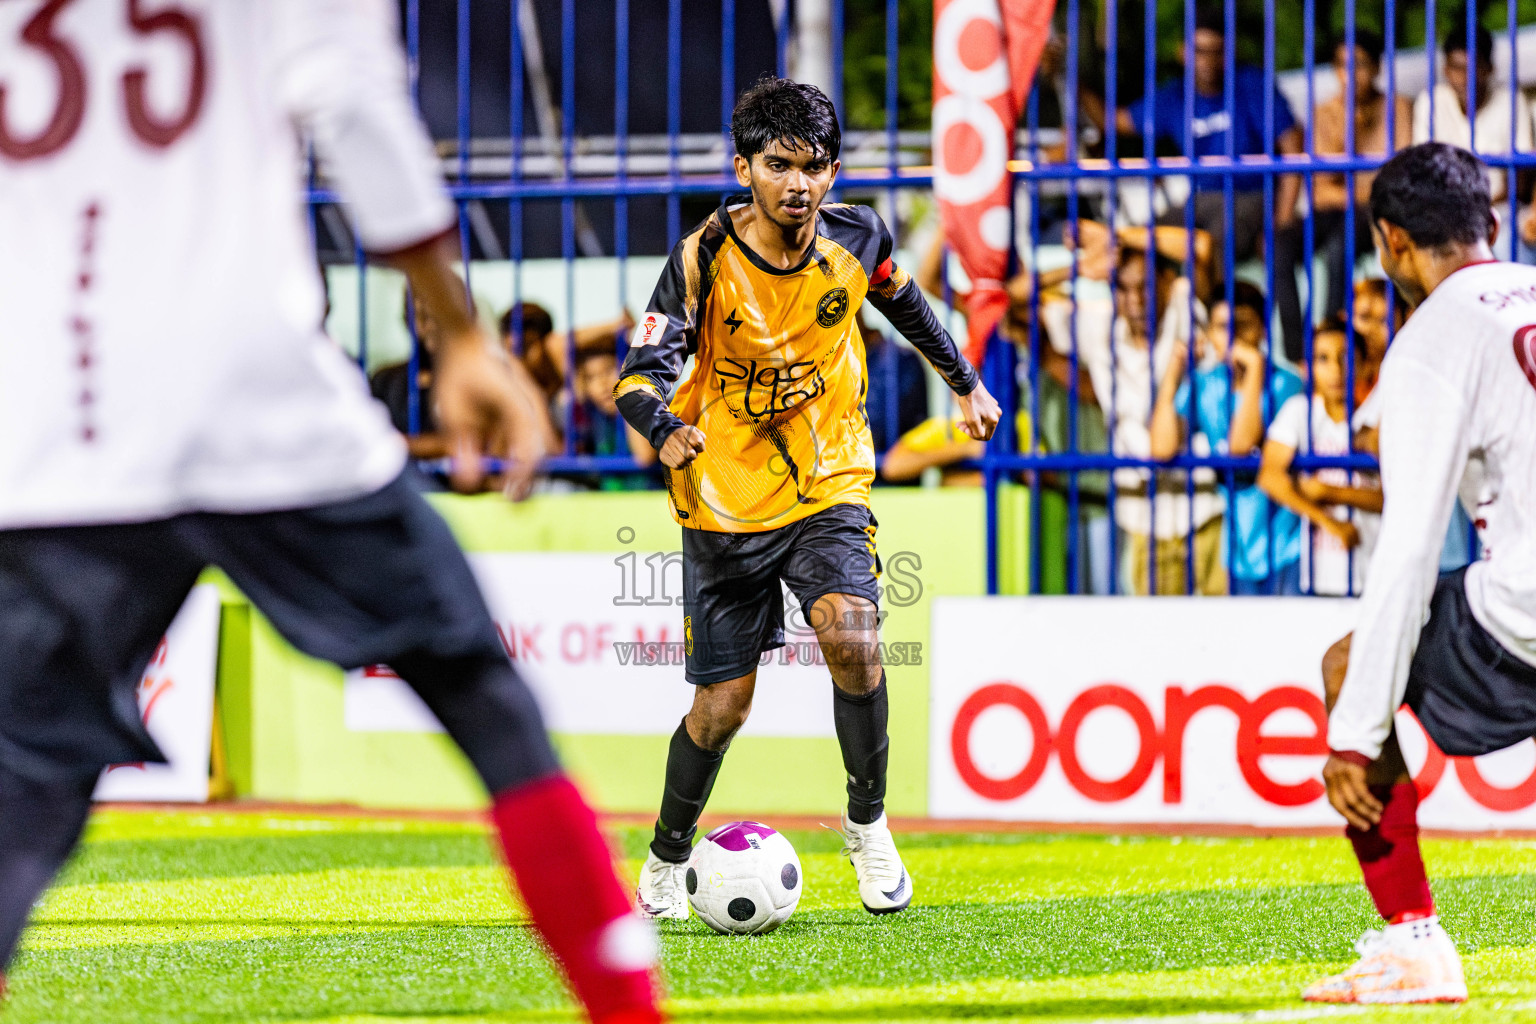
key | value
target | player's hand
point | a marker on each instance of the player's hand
(980, 414)
(682, 446)
(487, 405)
(1349, 794)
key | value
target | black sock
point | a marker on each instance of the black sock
(39, 825)
(861, 731)
(691, 772)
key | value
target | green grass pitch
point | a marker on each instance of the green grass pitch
(206, 916)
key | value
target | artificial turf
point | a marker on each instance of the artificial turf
(214, 917)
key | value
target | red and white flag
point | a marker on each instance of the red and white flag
(985, 53)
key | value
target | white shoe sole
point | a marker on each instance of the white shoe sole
(1432, 994)
(893, 908)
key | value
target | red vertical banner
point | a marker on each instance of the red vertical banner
(985, 53)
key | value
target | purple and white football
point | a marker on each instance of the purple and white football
(744, 879)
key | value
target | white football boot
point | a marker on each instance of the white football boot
(884, 885)
(1413, 962)
(662, 892)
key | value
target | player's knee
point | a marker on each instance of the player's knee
(715, 729)
(860, 678)
(719, 712)
(1335, 666)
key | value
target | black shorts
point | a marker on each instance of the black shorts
(372, 580)
(733, 604)
(1471, 695)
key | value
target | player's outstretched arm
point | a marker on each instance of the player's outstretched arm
(898, 298)
(486, 403)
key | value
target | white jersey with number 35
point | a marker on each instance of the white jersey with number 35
(1457, 399)
(160, 310)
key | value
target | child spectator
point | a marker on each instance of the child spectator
(1372, 332)
(1230, 407)
(598, 429)
(1340, 510)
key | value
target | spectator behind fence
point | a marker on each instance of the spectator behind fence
(1319, 424)
(1210, 132)
(598, 429)
(392, 386)
(528, 331)
(1373, 311)
(1330, 191)
(1113, 342)
(889, 366)
(1230, 406)
(1489, 128)
(1053, 384)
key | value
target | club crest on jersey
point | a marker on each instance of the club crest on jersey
(650, 329)
(832, 307)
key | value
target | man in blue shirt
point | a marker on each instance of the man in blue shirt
(1215, 130)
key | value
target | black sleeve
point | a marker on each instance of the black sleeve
(913, 406)
(907, 309)
(658, 346)
(898, 298)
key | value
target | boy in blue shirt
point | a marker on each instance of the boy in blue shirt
(1230, 411)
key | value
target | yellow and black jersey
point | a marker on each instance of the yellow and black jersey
(778, 380)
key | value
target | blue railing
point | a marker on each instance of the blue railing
(554, 154)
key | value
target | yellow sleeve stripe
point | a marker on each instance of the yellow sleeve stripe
(635, 382)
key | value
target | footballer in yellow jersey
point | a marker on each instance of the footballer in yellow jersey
(769, 461)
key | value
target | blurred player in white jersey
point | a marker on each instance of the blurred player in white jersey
(168, 402)
(1457, 398)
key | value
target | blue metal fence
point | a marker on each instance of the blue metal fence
(580, 167)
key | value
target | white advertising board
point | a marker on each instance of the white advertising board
(1166, 711)
(176, 702)
(600, 639)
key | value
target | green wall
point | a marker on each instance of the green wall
(282, 712)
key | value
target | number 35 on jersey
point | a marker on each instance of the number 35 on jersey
(48, 84)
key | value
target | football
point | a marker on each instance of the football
(744, 879)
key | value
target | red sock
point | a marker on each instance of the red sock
(564, 871)
(1389, 856)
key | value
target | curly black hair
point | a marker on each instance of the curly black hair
(1437, 193)
(792, 114)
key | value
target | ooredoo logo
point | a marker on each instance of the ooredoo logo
(651, 329)
(1166, 745)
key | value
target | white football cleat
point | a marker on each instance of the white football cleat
(662, 892)
(884, 885)
(1413, 962)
